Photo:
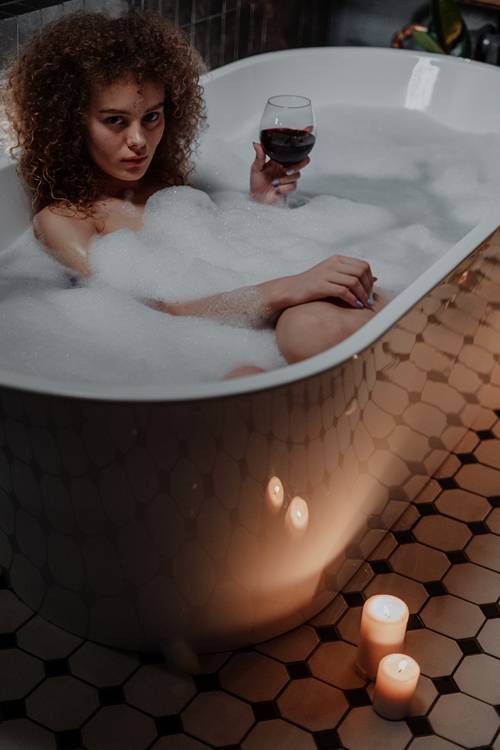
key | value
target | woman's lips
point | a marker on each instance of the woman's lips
(135, 162)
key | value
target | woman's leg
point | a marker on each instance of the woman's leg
(241, 372)
(305, 330)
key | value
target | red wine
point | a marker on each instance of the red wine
(286, 146)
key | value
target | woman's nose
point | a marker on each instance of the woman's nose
(135, 137)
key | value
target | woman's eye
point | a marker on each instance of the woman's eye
(113, 120)
(152, 116)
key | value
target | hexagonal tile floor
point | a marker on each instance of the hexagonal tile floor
(298, 691)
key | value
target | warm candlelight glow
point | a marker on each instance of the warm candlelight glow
(275, 494)
(383, 628)
(397, 678)
(297, 516)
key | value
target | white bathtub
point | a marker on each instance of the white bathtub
(137, 515)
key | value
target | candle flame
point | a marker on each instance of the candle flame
(402, 665)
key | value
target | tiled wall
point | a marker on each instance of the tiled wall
(223, 30)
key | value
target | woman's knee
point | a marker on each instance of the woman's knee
(306, 330)
(300, 332)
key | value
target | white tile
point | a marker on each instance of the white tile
(478, 478)
(62, 703)
(45, 640)
(411, 592)
(436, 654)
(271, 735)
(479, 675)
(420, 562)
(464, 720)
(119, 727)
(22, 734)
(334, 663)
(312, 704)
(452, 616)
(178, 742)
(489, 637)
(253, 676)
(484, 549)
(157, 691)
(363, 729)
(472, 582)
(293, 646)
(464, 505)
(493, 521)
(24, 672)
(442, 533)
(432, 743)
(217, 718)
(102, 666)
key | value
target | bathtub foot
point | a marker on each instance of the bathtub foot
(179, 656)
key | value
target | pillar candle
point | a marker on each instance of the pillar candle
(383, 628)
(395, 686)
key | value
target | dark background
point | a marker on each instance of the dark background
(226, 30)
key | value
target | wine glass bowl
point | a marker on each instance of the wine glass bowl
(287, 129)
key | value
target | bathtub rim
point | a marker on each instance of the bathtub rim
(443, 60)
(361, 340)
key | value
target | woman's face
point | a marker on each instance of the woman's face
(124, 126)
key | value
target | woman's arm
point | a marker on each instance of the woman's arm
(347, 279)
(66, 238)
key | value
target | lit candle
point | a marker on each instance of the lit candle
(397, 678)
(275, 494)
(383, 628)
(297, 516)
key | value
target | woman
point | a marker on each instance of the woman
(106, 112)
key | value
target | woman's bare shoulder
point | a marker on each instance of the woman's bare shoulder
(58, 217)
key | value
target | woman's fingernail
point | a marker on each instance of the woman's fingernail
(370, 300)
(359, 303)
(289, 172)
(275, 183)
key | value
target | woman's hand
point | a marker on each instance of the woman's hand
(347, 279)
(269, 181)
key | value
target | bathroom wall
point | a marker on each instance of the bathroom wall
(223, 30)
(374, 22)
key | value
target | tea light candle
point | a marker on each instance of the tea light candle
(397, 678)
(383, 627)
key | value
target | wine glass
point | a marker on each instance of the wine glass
(287, 132)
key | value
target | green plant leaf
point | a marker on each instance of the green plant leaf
(448, 22)
(426, 42)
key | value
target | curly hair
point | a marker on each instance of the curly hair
(47, 93)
